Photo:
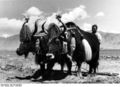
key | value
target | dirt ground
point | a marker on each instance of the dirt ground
(14, 69)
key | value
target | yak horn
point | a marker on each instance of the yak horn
(43, 29)
(36, 27)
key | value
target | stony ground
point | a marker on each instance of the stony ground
(15, 69)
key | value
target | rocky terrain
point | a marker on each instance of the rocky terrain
(17, 69)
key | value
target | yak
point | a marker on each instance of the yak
(37, 43)
(86, 46)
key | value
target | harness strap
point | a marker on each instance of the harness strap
(37, 46)
(73, 44)
(65, 47)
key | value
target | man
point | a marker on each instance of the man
(94, 31)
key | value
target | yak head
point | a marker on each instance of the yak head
(27, 40)
(55, 42)
(25, 48)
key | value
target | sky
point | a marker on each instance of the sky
(85, 13)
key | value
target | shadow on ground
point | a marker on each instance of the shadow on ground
(54, 75)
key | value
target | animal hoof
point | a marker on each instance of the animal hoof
(85, 74)
(93, 74)
(80, 75)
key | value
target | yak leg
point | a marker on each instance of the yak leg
(79, 73)
(62, 66)
(48, 71)
(50, 66)
(69, 65)
(42, 68)
(95, 63)
(90, 69)
(38, 73)
(93, 68)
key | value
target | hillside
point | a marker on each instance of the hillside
(109, 41)
(10, 43)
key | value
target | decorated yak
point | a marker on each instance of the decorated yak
(82, 46)
(31, 42)
(86, 49)
(37, 43)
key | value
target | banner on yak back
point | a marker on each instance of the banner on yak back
(25, 33)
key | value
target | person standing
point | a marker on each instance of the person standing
(95, 31)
